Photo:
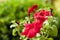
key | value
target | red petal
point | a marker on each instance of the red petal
(32, 33)
(25, 32)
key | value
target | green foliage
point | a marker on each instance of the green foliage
(17, 10)
(14, 32)
(54, 31)
(50, 38)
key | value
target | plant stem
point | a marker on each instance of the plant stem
(18, 30)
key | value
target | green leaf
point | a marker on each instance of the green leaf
(54, 31)
(50, 38)
(46, 24)
(13, 25)
(14, 32)
(42, 38)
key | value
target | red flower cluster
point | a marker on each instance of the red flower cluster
(33, 28)
(32, 9)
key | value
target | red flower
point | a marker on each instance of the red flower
(27, 28)
(25, 32)
(32, 9)
(40, 17)
(29, 31)
(32, 29)
(45, 12)
(32, 33)
(37, 26)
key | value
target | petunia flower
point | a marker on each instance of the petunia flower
(29, 31)
(37, 26)
(40, 17)
(32, 29)
(32, 9)
(26, 29)
(32, 33)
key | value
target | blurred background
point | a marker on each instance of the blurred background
(17, 10)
